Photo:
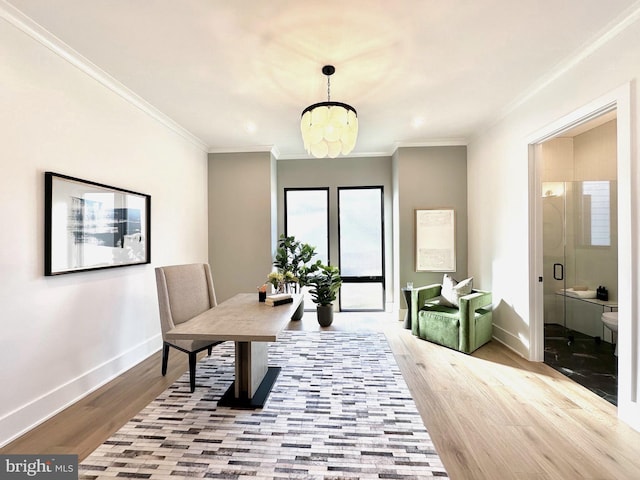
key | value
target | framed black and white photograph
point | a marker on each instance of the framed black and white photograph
(90, 226)
(435, 240)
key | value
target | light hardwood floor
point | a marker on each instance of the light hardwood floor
(491, 415)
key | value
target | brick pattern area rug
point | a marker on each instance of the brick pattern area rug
(340, 409)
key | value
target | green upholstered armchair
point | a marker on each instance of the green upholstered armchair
(465, 329)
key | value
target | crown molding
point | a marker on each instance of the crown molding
(444, 142)
(279, 156)
(248, 149)
(275, 152)
(305, 156)
(28, 26)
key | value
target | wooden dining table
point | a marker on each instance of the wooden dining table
(251, 325)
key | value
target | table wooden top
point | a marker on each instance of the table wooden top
(241, 318)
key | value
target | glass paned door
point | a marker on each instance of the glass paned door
(307, 218)
(306, 214)
(361, 244)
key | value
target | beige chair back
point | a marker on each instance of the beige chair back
(184, 291)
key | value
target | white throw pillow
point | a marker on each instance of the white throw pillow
(453, 290)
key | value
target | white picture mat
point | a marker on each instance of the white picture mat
(83, 215)
(435, 240)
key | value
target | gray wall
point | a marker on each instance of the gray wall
(243, 199)
(430, 177)
(240, 221)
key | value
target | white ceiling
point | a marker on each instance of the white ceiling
(418, 72)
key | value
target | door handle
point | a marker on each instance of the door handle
(558, 273)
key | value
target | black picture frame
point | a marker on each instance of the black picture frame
(92, 226)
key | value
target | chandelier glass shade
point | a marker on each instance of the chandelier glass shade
(329, 128)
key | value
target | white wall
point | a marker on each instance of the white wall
(498, 172)
(63, 336)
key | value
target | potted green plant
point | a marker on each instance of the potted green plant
(293, 261)
(326, 282)
(294, 267)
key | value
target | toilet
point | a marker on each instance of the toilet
(610, 320)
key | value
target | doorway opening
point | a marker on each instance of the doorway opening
(578, 179)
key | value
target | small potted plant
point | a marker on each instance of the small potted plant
(281, 281)
(326, 282)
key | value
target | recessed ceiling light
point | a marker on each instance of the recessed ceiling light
(250, 127)
(417, 122)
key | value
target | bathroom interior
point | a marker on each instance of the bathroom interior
(580, 245)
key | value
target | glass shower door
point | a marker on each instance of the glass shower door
(554, 260)
(580, 254)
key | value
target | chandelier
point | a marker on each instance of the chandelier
(329, 128)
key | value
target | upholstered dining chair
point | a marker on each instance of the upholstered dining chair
(184, 291)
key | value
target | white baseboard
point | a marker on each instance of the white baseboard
(32, 414)
(511, 341)
(629, 412)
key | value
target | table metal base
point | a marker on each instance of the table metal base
(258, 400)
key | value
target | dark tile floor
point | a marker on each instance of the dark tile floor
(586, 360)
